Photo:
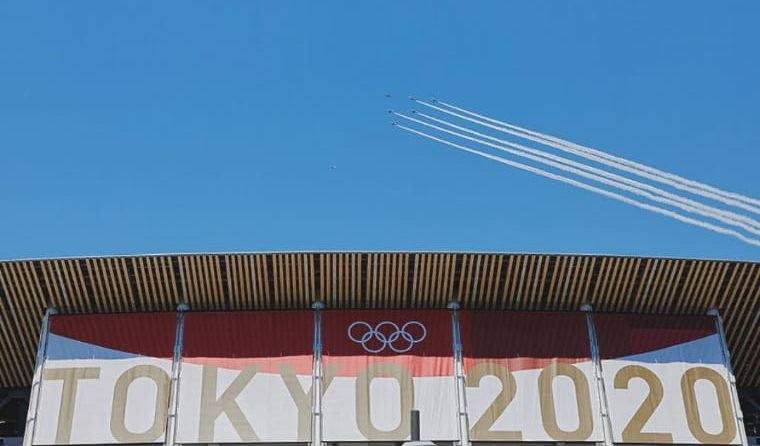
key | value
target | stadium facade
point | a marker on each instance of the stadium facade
(338, 348)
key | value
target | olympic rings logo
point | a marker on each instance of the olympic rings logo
(387, 334)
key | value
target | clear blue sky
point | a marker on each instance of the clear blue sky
(142, 127)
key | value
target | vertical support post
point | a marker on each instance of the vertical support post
(730, 372)
(34, 394)
(597, 360)
(415, 425)
(316, 376)
(171, 420)
(464, 423)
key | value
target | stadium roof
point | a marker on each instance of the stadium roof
(238, 281)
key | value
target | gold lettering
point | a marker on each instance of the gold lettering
(633, 431)
(728, 431)
(70, 378)
(119, 406)
(302, 399)
(582, 400)
(406, 388)
(212, 406)
(480, 431)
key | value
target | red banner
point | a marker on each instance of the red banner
(263, 338)
(529, 377)
(246, 377)
(106, 379)
(145, 334)
(421, 340)
(386, 363)
(252, 377)
(524, 340)
(666, 380)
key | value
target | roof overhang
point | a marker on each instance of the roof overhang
(241, 281)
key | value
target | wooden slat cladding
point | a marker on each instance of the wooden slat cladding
(243, 281)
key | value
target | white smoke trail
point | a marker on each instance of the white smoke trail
(713, 212)
(597, 190)
(585, 174)
(585, 153)
(611, 157)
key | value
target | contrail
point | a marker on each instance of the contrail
(606, 193)
(613, 158)
(587, 153)
(585, 174)
(712, 211)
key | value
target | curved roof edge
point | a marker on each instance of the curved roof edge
(350, 279)
(381, 251)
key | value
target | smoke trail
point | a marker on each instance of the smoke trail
(585, 153)
(712, 211)
(606, 193)
(588, 175)
(613, 158)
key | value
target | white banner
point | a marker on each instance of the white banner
(246, 377)
(351, 414)
(665, 380)
(106, 379)
(670, 403)
(95, 401)
(220, 405)
(379, 366)
(530, 377)
(556, 403)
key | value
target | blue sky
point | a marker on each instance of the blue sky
(145, 127)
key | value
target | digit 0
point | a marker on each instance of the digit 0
(690, 404)
(582, 400)
(363, 403)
